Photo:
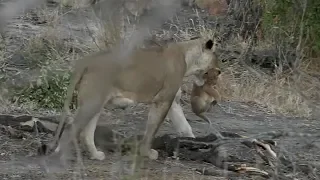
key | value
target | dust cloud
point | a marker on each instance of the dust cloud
(160, 11)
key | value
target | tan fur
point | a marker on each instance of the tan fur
(207, 92)
(150, 75)
(205, 96)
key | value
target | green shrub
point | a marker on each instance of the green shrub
(48, 54)
(282, 21)
(313, 24)
(48, 91)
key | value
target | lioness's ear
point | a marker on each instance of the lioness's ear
(219, 71)
(209, 44)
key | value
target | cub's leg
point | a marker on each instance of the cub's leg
(199, 106)
(178, 119)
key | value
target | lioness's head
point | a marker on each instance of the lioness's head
(206, 60)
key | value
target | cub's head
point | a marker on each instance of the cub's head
(211, 77)
(206, 61)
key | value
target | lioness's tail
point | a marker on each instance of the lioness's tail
(75, 79)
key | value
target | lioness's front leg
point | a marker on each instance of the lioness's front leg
(157, 113)
(87, 113)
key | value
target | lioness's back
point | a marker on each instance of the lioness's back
(153, 60)
(148, 69)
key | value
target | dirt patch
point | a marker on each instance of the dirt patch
(19, 159)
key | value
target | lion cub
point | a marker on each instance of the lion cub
(205, 96)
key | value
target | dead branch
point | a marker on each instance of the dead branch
(13, 133)
(27, 123)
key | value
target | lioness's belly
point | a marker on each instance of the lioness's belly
(121, 102)
(124, 99)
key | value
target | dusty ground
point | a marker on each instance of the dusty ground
(18, 158)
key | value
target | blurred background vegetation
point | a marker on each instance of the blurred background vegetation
(269, 48)
(293, 22)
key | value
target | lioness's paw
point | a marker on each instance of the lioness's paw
(99, 155)
(187, 134)
(151, 154)
(191, 135)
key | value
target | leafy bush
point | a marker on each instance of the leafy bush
(48, 91)
(282, 20)
(50, 55)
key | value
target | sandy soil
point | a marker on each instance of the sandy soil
(19, 160)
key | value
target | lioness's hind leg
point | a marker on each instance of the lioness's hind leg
(88, 137)
(178, 119)
(86, 112)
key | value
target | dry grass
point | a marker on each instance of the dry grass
(75, 4)
(275, 92)
(48, 51)
(285, 92)
(281, 93)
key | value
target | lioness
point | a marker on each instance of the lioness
(204, 97)
(150, 75)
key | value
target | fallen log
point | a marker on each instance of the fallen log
(27, 123)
